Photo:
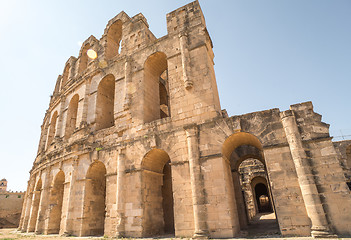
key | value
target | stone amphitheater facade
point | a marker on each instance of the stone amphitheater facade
(134, 143)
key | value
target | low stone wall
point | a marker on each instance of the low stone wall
(10, 208)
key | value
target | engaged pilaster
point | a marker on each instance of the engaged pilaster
(198, 198)
(183, 39)
(305, 177)
(120, 192)
(128, 80)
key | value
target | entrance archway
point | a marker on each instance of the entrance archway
(157, 194)
(245, 155)
(55, 203)
(94, 201)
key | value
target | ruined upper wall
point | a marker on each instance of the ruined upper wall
(170, 79)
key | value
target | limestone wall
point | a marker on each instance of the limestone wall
(110, 162)
(10, 208)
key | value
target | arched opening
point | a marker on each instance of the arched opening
(157, 194)
(35, 207)
(43, 137)
(164, 98)
(55, 203)
(245, 154)
(105, 103)
(251, 170)
(113, 42)
(52, 128)
(156, 97)
(262, 198)
(71, 119)
(94, 201)
(84, 59)
(65, 75)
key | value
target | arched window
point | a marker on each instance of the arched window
(52, 128)
(114, 36)
(156, 100)
(65, 75)
(164, 98)
(71, 119)
(105, 103)
(84, 58)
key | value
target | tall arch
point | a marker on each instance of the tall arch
(94, 200)
(55, 203)
(71, 119)
(157, 194)
(114, 37)
(105, 103)
(35, 207)
(65, 75)
(236, 149)
(52, 128)
(84, 58)
(156, 102)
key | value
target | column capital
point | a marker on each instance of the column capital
(287, 113)
(191, 130)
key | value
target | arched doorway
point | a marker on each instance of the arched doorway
(35, 207)
(55, 203)
(245, 154)
(94, 201)
(157, 194)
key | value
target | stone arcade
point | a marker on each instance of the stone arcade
(134, 143)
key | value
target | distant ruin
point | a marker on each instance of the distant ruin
(135, 143)
(10, 206)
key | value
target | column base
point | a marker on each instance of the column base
(201, 235)
(119, 235)
(322, 232)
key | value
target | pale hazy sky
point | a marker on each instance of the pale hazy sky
(268, 54)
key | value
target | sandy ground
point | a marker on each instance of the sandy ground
(12, 233)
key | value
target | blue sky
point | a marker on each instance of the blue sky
(268, 54)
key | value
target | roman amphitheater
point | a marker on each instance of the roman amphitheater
(135, 143)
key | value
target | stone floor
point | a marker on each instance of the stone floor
(11, 234)
(263, 225)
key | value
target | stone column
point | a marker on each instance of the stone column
(27, 208)
(67, 221)
(198, 198)
(128, 80)
(305, 177)
(84, 121)
(24, 207)
(33, 215)
(120, 193)
(43, 206)
(59, 123)
(183, 39)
